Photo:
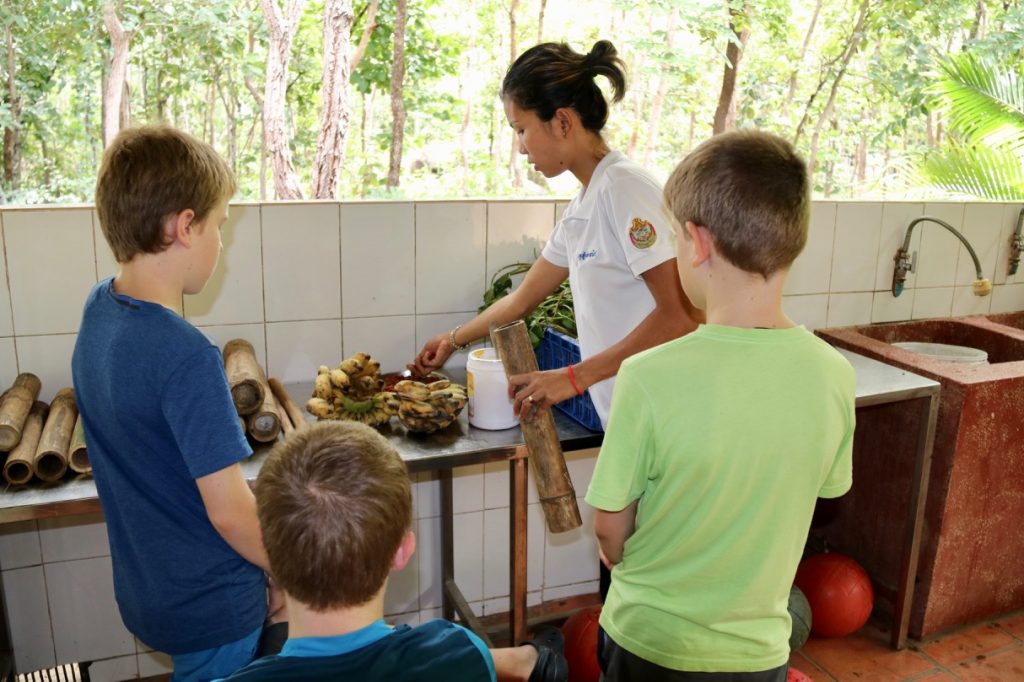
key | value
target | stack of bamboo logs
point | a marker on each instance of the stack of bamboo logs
(264, 407)
(42, 441)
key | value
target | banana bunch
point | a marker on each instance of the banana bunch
(429, 407)
(353, 391)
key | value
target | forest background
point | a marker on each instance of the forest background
(398, 98)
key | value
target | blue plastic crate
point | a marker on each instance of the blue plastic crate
(557, 350)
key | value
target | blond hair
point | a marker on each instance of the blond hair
(750, 190)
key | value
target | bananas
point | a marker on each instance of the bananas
(352, 391)
(429, 407)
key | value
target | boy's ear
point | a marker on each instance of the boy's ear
(180, 227)
(405, 551)
(703, 243)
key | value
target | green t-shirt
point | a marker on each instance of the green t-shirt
(726, 437)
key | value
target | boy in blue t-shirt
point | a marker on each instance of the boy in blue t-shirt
(164, 437)
(335, 504)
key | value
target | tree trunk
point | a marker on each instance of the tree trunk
(540, 21)
(725, 114)
(12, 137)
(513, 48)
(853, 43)
(800, 61)
(397, 104)
(467, 112)
(118, 63)
(258, 99)
(980, 19)
(368, 28)
(334, 109)
(275, 127)
(659, 98)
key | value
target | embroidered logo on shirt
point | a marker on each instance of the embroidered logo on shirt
(642, 233)
(584, 255)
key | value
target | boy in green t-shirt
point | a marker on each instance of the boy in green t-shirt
(719, 442)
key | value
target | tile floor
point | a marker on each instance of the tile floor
(992, 651)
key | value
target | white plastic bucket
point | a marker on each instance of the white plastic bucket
(489, 405)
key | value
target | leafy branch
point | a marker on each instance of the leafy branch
(555, 311)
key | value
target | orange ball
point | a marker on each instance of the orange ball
(580, 633)
(839, 592)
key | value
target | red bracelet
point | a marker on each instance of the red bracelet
(572, 380)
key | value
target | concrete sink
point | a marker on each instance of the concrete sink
(971, 564)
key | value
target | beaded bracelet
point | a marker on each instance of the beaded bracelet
(451, 339)
(572, 380)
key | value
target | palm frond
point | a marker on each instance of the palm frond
(985, 100)
(976, 170)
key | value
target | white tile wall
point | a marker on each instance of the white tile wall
(85, 619)
(301, 266)
(234, 292)
(390, 340)
(855, 248)
(296, 349)
(451, 245)
(106, 266)
(28, 615)
(402, 272)
(516, 232)
(1011, 214)
(378, 259)
(49, 358)
(51, 265)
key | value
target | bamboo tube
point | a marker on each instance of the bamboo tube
(79, 461)
(282, 414)
(248, 383)
(18, 467)
(298, 417)
(557, 496)
(51, 460)
(264, 423)
(14, 408)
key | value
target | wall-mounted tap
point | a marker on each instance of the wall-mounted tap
(1016, 245)
(905, 264)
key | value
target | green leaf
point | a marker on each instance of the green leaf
(976, 170)
(985, 100)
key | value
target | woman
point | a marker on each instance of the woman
(614, 241)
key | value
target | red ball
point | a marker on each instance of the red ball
(839, 592)
(794, 675)
(580, 633)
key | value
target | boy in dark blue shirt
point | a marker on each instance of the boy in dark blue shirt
(335, 505)
(164, 438)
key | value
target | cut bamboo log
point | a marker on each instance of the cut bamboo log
(18, 467)
(282, 414)
(79, 460)
(245, 376)
(557, 496)
(265, 423)
(298, 417)
(15, 405)
(51, 460)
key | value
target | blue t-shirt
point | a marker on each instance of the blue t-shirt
(157, 414)
(438, 650)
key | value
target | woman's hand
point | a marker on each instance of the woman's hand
(435, 353)
(536, 392)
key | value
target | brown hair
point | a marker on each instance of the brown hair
(150, 173)
(550, 76)
(334, 502)
(750, 190)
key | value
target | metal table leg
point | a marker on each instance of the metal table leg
(915, 520)
(517, 545)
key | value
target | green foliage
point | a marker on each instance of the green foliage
(555, 311)
(985, 105)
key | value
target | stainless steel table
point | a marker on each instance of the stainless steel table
(458, 445)
(462, 445)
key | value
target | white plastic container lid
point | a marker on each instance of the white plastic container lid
(946, 351)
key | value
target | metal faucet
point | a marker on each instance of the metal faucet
(904, 263)
(1016, 244)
